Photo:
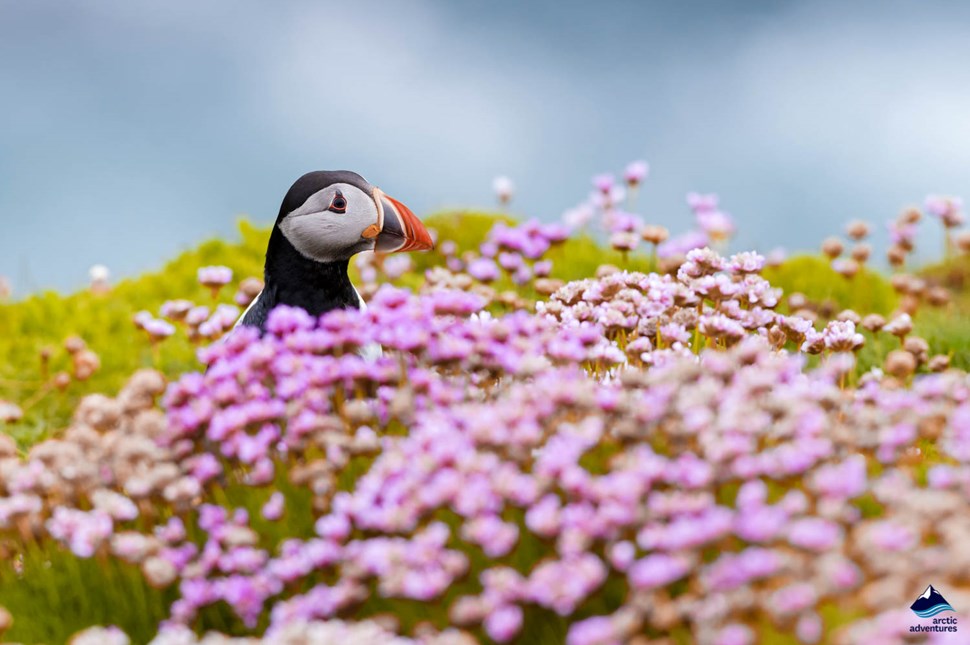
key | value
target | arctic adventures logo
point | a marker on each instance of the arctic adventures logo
(930, 603)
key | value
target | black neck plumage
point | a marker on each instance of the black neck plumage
(295, 280)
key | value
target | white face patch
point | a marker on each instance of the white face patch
(324, 235)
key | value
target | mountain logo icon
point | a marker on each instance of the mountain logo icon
(930, 603)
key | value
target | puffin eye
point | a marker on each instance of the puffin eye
(339, 204)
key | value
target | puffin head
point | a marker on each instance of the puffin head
(329, 216)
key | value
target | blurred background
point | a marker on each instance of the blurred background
(131, 131)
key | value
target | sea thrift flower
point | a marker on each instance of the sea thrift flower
(793, 598)
(674, 333)
(623, 241)
(604, 183)
(857, 229)
(845, 267)
(861, 252)
(623, 222)
(248, 290)
(84, 364)
(82, 531)
(10, 412)
(215, 277)
(158, 330)
(175, 309)
(814, 534)
(273, 509)
(961, 239)
(503, 188)
(100, 278)
(902, 234)
(503, 623)
(735, 634)
(510, 261)
(196, 316)
(577, 218)
(776, 257)
(560, 585)
(719, 225)
(597, 630)
(636, 172)
(119, 507)
(899, 326)
(100, 636)
(900, 363)
(890, 536)
(809, 628)
(948, 209)
(701, 262)
(833, 247)
(656, 571)
(542, 268)
(495, 536)
(654, 234)
(700, 203)
(747, 262)
(841, 336)
(622, 555)
(396, 266)
(682, 244)
(448, 248)
(842, 481)
(141, 318)
(720, 327)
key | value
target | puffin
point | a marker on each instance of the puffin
(326, 218)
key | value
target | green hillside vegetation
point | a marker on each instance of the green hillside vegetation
(104, 321)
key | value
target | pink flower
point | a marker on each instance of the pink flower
(503, 188)
(702, 203)
(273, 508)
(735, 634)
(215, 276)
(636, 172)
(596, 630)
(483, 270)
(948, 209)
(603, 183)
(657, 570)
(82, 531)
(503, 623)
(814, 534)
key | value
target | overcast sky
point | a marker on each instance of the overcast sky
(132, 130)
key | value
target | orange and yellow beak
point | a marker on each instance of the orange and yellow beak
(399, 228)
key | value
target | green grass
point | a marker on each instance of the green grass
(946, 329)
(948, 332)
(104, 322)
(867, 292)
(59, 594)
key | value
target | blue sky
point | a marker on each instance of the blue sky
(132, 130)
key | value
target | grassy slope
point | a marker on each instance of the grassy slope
(948, 330)
(104, 321)
(867, 292)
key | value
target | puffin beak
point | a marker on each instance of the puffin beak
(400, 229)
